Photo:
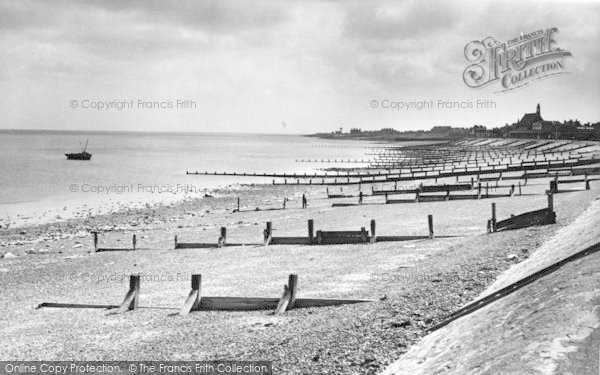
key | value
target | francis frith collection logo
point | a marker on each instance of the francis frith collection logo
(514, 63)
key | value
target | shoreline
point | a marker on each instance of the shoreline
(148, 217)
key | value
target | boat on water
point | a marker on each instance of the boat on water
(83, 155)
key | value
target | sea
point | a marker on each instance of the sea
(127, 170)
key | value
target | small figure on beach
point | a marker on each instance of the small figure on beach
(304, 203)
(360, 198)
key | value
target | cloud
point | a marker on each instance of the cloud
(312, 62)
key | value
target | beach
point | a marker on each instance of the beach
(412, 285)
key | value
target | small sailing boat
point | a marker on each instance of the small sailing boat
(83, 155)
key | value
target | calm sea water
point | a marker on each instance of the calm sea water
(38, 183)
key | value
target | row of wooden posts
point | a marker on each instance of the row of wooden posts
(196, 302)
(387, 177)
(442, 172)
(319, 237)
(538, 217)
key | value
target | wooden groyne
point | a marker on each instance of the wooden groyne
(342, 178)
(197, 302)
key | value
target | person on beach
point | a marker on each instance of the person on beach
(304, 204)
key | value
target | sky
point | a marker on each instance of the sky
(279, 66)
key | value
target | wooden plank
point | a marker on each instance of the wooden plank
(290, 241)
(432, 198)
(456, 197)
(257, 303)
(342, 232)
(527, 219)
(446, 187)
(397, 201)
(76, 305)
(400, 238)
(101, 249)
(342, 237)
(237, 303)
(194, 245)
(322, 302)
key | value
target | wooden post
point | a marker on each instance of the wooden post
(134, 240)
(268, 233)
(293, 288)
(553, 187)
(131, 300)
(493, 217)
(238, 201)
(487, 188)
(430, 222)
(95, 240)
(363, 234)
(587, 182)
(288, 298)
(176, 241)
(193, 300)
(311, 231)
(373, 233)
(223, 239)
(519, 187)
(327, 190)
(417, 193)
(512, 190)
(550, 215)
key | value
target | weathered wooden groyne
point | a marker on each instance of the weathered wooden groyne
(462, 158)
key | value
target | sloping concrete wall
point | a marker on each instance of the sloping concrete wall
(550, 326)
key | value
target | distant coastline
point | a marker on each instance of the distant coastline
(381, 137)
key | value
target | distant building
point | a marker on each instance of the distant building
(532, 125)
(530, 119)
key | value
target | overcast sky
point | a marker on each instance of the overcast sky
(250, 66)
